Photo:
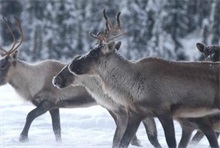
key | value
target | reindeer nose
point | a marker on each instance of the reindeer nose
(57, 81)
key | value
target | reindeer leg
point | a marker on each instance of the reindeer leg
(55, 116)
(133, 123)
(197, 137)
(135, 141)
(186, 135)
(210, 134)
(217, 134)
(168, 126)
(151, 129)
(42, 108)
(118, 133)
(121, 118)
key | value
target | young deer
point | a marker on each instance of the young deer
(93, 85)
(153, 87)
(33, 83)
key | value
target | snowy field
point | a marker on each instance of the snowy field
(81, 128)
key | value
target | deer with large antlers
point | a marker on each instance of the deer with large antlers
(34, 83)
(154, 87)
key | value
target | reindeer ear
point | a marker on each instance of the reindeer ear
(118, 45)
(201, 47)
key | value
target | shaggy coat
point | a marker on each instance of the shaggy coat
(33, 83)
(93, 86)
(154, 87)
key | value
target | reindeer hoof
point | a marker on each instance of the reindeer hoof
(23, 138)
(136, 143)
(59, 140)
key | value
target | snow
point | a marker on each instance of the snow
(90, 127)
(189, 46)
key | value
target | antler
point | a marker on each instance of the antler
(13, 48)
(111, 31)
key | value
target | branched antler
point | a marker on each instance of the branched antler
(14, 47)
(111, 31)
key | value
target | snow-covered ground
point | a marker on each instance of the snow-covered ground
(81, 128)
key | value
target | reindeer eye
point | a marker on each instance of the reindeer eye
(3, 66)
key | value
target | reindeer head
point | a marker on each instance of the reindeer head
(8, 58)
(64, 78)
(211, 53)
(105, 47)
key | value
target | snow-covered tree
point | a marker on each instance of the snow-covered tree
(175, 23)
(32, 24)
(60, 29)
(216, 23)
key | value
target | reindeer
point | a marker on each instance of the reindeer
(93, 85)
(206, 125)
(33, 83)
(210, 53)
(153, 87)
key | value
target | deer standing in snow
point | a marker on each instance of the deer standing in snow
(93, 85)
(153, 87)
(33, 82)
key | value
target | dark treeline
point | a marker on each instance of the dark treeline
(60, 29)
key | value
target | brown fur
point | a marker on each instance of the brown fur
(93, 85)
(33, 82)
(154, 86)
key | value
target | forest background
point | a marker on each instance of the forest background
(59, 29)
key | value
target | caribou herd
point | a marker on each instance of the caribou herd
(131, 91)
